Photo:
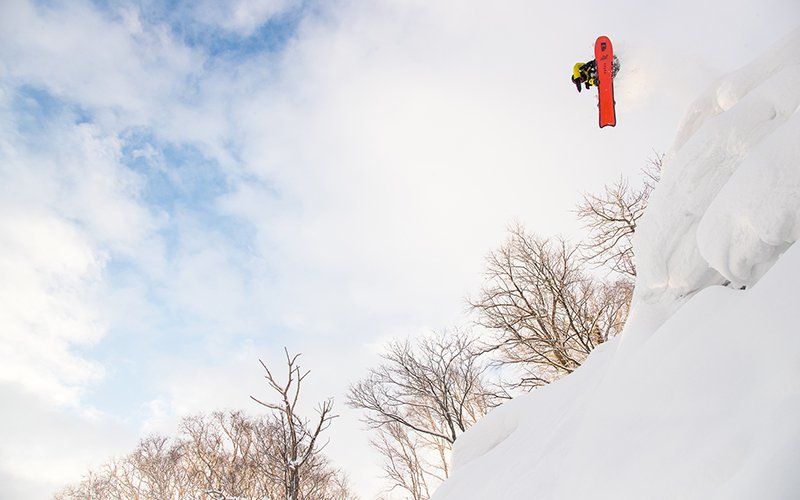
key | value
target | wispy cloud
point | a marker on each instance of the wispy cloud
(63, 198)
(122, 70)
(242, 17)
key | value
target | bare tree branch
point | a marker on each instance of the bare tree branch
(612, 216)
(299, 436)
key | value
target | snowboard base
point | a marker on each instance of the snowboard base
(604, 56)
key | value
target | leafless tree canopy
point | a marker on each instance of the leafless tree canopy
(611, 218)
(222, 456)
(546, 313)
(419, 400)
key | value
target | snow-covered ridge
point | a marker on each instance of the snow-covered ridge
(699, 396)
(727, 205)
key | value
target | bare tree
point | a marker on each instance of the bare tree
(219, 453)
(154, 470)
(546, 312)
(403, 462)
(299, 436)
(611, 218)
(420, 399)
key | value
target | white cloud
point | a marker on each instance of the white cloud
(241, 16)
(66, 202)
(125, 71)
(49, 278)
(44, 449)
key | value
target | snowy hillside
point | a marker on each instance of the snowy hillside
(699, 397)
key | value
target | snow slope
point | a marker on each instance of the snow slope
(699, 397)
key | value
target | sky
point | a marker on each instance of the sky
(188, 187)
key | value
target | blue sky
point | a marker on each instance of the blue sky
(187, 187)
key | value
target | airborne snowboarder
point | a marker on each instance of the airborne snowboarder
(600, 72)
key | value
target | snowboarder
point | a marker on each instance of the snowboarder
(600, 73)
(585, 73)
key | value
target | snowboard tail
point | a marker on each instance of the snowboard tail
(604, 56)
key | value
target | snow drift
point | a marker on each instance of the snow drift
(699, 397)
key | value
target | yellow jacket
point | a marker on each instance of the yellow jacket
(583, 72)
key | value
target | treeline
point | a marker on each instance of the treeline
(546, 303)
(224, 455)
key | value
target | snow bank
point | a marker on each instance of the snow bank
(727, 205)
(699, 397)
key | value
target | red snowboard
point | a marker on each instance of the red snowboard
(604, 55)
